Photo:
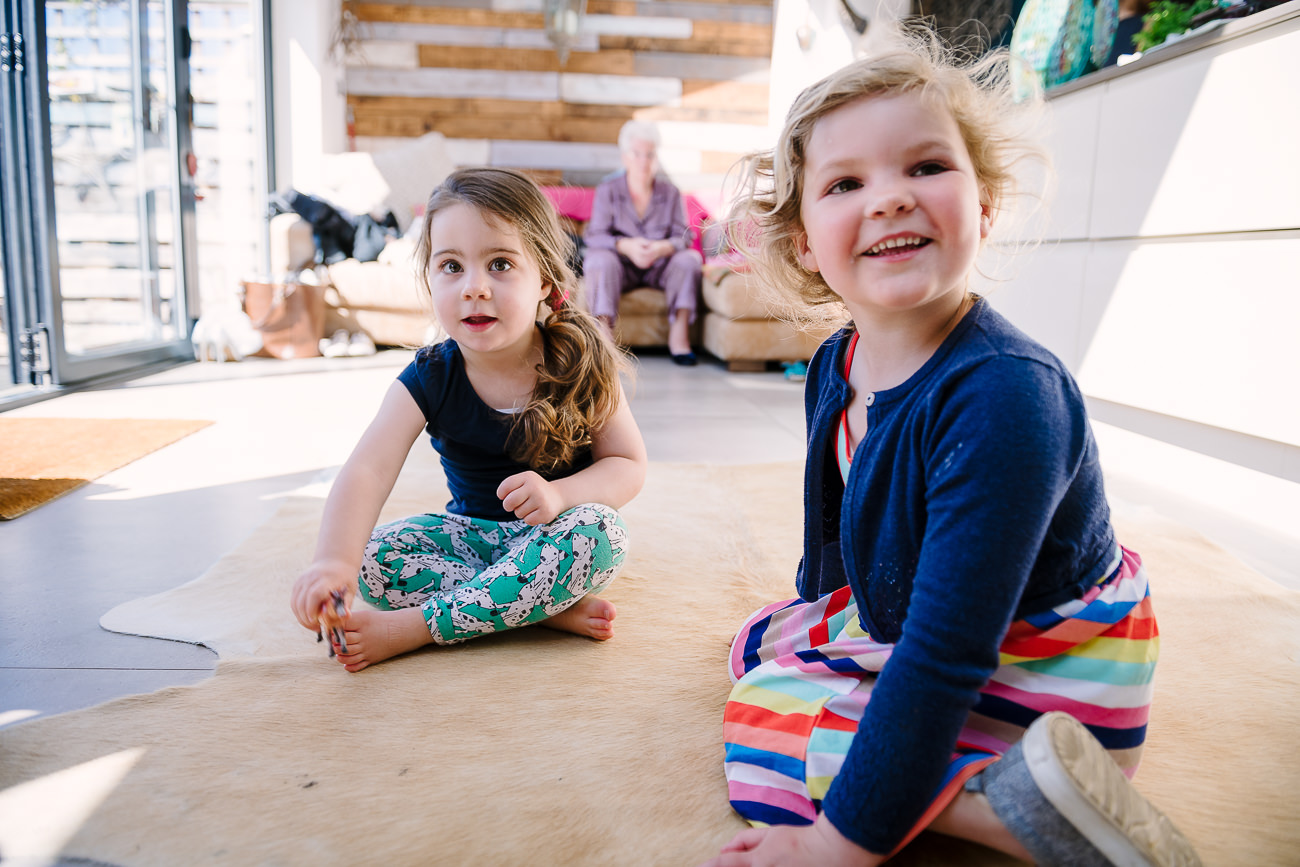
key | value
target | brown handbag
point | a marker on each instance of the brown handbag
(289, 316)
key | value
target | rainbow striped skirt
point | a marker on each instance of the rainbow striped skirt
(803, 674)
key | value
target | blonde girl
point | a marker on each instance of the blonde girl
(971, 650)
(534, 432)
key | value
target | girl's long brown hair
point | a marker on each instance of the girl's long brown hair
(578, 387)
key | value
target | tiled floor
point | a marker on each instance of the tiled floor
(166, 518)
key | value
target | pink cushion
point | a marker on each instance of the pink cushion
(575, 203)
(696, 218)
(572, 202)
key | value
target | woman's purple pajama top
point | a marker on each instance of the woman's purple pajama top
(609, 274)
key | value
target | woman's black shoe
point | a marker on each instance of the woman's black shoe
(685, 359)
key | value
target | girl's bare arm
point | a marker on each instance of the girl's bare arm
(353, 506)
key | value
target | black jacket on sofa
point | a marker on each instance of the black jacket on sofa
(338, 234)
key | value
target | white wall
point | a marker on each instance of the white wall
(831, 43)
(1170, 277)
(310, 116)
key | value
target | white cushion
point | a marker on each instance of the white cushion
(397, 179)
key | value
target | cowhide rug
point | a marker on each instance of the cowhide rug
(539, 747)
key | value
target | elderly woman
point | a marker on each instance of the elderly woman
(637, 236)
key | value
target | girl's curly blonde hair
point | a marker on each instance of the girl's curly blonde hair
(578, 386)
(765, 223)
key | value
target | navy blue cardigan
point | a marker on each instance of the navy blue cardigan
(974, 499)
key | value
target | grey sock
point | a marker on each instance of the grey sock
(1030, 817)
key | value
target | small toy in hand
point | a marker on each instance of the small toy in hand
(337, 599)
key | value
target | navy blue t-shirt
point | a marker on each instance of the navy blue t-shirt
(470, 437)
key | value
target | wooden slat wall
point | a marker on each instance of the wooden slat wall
(486, 77)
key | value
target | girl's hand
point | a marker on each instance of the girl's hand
(310, 597)
(816, 845)
(532, 499)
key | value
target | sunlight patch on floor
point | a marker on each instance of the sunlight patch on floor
(39, 817)
(9, 717)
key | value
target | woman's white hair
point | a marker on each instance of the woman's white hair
(637, 130)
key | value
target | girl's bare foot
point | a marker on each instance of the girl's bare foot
(374, 636)
(590, 616)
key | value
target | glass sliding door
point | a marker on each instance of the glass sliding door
(106, 115)
(17, 278)
(9, 373)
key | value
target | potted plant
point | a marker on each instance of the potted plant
(1168, 18)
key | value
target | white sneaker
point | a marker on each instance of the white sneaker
(361, 344)
(1064, 798)
(335, 346)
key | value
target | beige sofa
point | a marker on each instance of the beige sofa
(740, 327)
(733, 324)
(383, 298)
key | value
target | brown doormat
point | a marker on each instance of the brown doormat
(44, 458)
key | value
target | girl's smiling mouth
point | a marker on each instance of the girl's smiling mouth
(896, 245)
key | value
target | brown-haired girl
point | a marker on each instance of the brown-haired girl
(535, 436)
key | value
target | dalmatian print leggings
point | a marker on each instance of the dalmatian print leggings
(474, 577)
